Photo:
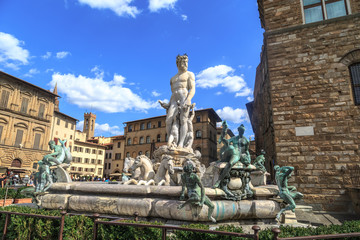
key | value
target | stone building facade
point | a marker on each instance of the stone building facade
(305, 111)
(26, 113)
(145, 135)
(117, 164)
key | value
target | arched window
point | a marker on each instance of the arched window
(148, 125)
(198, 134)
(158, 138)
(142, 126)
(134, 154)
(92, 125)
(129, 141)
(141, 141)
(198, 118)
(148, 139)
(140, 153)
(130, 128)
(16, 163)
(355, 81)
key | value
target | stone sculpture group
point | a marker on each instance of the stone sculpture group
(176, 164)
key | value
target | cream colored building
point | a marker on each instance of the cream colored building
(117, 164)
(63, 127)
(26, 114)
(88, 156)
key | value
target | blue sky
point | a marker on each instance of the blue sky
(116, 57)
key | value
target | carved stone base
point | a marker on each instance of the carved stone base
(258, 178)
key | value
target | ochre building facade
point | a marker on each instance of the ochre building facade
(305, 111)
(26, 114)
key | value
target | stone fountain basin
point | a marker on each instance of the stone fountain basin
(154, 201)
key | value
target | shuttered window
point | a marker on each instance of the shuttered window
(41, 110)
(355, 82)
(4, 98)
(37, 141)
(24, 105)
(19, 136)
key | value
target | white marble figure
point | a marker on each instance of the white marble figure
(178, 109)
(128, 162)
(162, 176)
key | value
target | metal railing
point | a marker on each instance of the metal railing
(277, 231)
(165, 228)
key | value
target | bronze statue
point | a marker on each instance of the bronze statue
(234, 150)
(259, 161)
(286, 193)
(195, 192)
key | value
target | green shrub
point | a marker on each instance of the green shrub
(182, 235)
(111, 232)
(12, 193)
(78, 227)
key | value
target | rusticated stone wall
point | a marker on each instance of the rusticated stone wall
(316, 125)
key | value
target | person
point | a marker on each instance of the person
(183, 90)
(234, 150)
(2, 180)
(195, 190)
(287, 193)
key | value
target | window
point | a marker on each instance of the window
(87, 150)
(129, 141)
(109, 155)
(93, 161)
(86, 169)
(127, 154)
(318, 10)
(87, 160)
(100, 171)
(159, 123)
(99, 162)
(94, 151)
(70, 136)
(66, 124)
(148, 139)
(1, 129)
(75, 148)
(130, 128)
(58, 122)
(142, 126)
(37, 141)
(79, 160)
(80, 149)
(106, 155)
(148, 125)
(198, 118)
(117, 156)
(24, 105)
(140, 153)
(109, 166)
(119, 144)
(158, 138)
(72, 126)
(4, 98)
(141, 141)
(198, 134)
(80, 169)
(100, 152)
(19, 136)
(105, 166)
(355, 81)
(72, 168)
(41, 110)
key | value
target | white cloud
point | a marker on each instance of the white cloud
(49, 70)
(156, 5)
(120, 7)
(102, 129)
(95, 93)
(155, 93)
(223, 75)
(236, 115)
(11, 53)
(250, 98)
(99, 73)
(31, 72)
(47, 55)
(241, 66)
(218, 93)
(184, 17)
(61, 55)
